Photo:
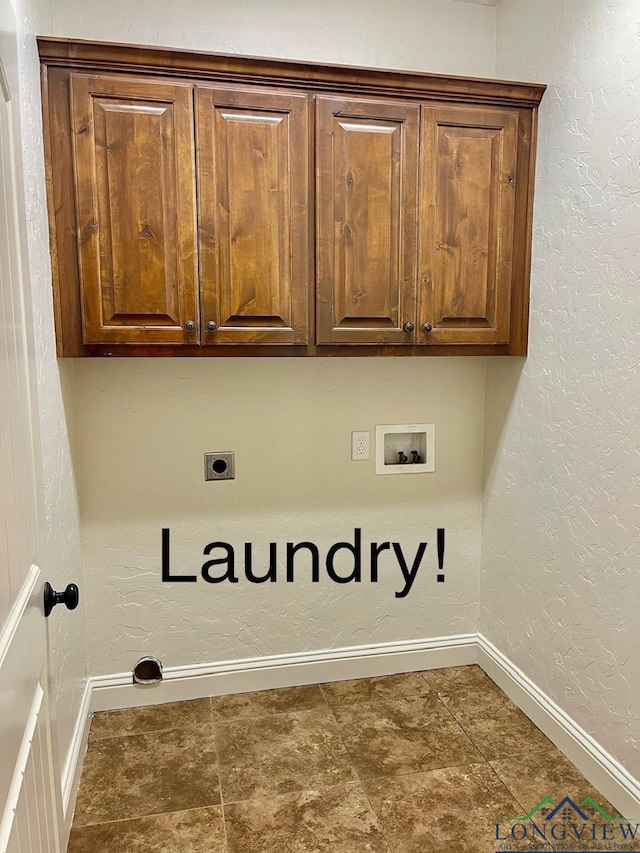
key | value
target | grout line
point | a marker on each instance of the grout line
(372, 807)
(324, 696)
(462, 728)
(218, 773)
(237, 719)
(502, 782)
(140, 733)
(145, 816)
(296, 793)
(424, 678)
(512, 793)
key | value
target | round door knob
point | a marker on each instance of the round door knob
(70, 597)
(212, 326)
(190, 326)
(427, 327)
(409, 327)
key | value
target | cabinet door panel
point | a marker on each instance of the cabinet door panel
(135, 191)
(467, 209)
(367, 166)
(253, 190)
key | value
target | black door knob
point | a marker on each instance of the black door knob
(409, 327)
(70, 597)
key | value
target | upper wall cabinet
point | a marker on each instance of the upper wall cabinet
(467, 206)
(203, 204)
(253, 208)
(135, 209)
(366, 209)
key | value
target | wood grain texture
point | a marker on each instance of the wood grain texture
(61, 204)
(135, 196)
(367, 173)
(523, 220)
(253, 200)
(250, 276)
(285, 72)
(468, 181)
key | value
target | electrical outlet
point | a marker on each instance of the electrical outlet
(359, 446)
(219, 465)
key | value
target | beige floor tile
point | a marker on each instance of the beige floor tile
(548, 774)
(443, 676)
(147, 774)
(495, 725)
(462, 688)
(334, 820)
(242, 706)
(502, 732)
(150, 779)
(394, 736)
(370, 689)
(152, 718)
(196, 831)
(452, 810)
(281, 753)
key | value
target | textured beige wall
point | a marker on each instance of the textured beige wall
(561, 547)
(424, 35)
(144, 426)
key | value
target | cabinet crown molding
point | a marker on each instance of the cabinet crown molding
(101, 56)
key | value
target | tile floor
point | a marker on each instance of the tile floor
(416, 763)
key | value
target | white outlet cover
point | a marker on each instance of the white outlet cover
(393, 438)
(360, 446)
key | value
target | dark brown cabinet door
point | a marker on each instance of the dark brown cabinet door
(468, 173)
(135, 200)
(367, 171)
(253, 201)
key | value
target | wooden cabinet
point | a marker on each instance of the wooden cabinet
(366, 209)
(370, 229)
(135, 183)
(205, 205)
(253, 204)
(467, 205)
(134, 179)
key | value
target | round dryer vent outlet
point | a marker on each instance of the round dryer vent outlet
(148, 670)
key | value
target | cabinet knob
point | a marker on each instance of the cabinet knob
(212, 326)
(190, 326)
(427, 327)
(409, 327)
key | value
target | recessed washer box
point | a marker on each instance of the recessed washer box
(405, 448)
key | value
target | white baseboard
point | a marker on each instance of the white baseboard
(602, 770)
(110, 692)
(241, 676)
(73, 765)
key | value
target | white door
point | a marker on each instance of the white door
(29, 803)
